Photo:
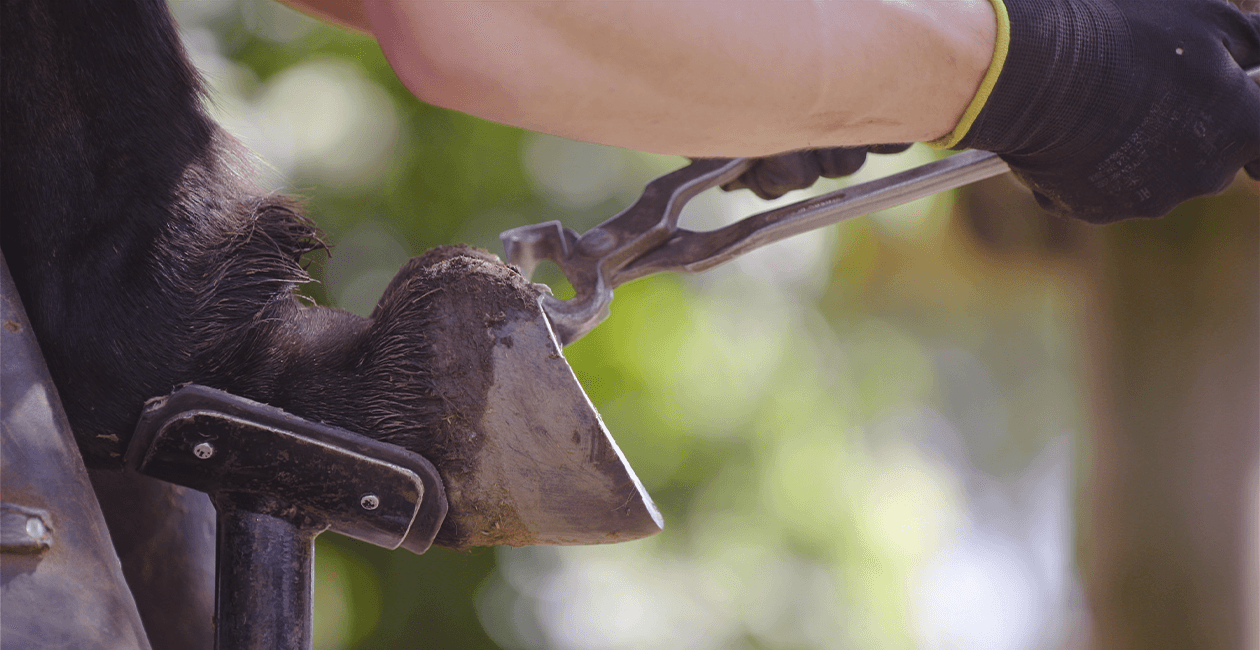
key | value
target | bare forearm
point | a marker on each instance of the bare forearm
(347, 13)
(720, 78)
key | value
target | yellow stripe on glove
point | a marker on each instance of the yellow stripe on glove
(1000, 48)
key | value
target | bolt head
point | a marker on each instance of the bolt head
(203, 450)
(35, 528)
(370, 502)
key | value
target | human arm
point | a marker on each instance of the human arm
(723, 78)
(1107, 109)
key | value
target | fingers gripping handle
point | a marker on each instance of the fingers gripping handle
(645, 238)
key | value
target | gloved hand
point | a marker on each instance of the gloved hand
(774, 176)
(1111, 109)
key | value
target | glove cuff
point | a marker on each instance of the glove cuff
(1000, 50)
(1061, 84)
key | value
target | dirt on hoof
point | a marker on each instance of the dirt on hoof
(523, 454)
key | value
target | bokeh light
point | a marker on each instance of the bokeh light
(868, 436)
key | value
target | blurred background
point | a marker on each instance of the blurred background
(952, 424)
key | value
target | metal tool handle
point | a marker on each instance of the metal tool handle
(693, 252)
(645, 239)
(591, 260)
(698, 251)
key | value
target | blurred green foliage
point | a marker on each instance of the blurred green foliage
(859, 438)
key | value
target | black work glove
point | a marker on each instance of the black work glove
(774, 176)
(1111, 109)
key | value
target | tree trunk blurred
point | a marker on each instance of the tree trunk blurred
(1173, 342)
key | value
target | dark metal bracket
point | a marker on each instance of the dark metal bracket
(278, 481)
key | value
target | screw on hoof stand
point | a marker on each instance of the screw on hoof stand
(278, 481)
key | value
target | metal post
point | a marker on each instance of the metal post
(264, 598)
(276, 482)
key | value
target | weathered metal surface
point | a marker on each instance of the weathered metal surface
(219, 443)
(264, 596)
(71, 595)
